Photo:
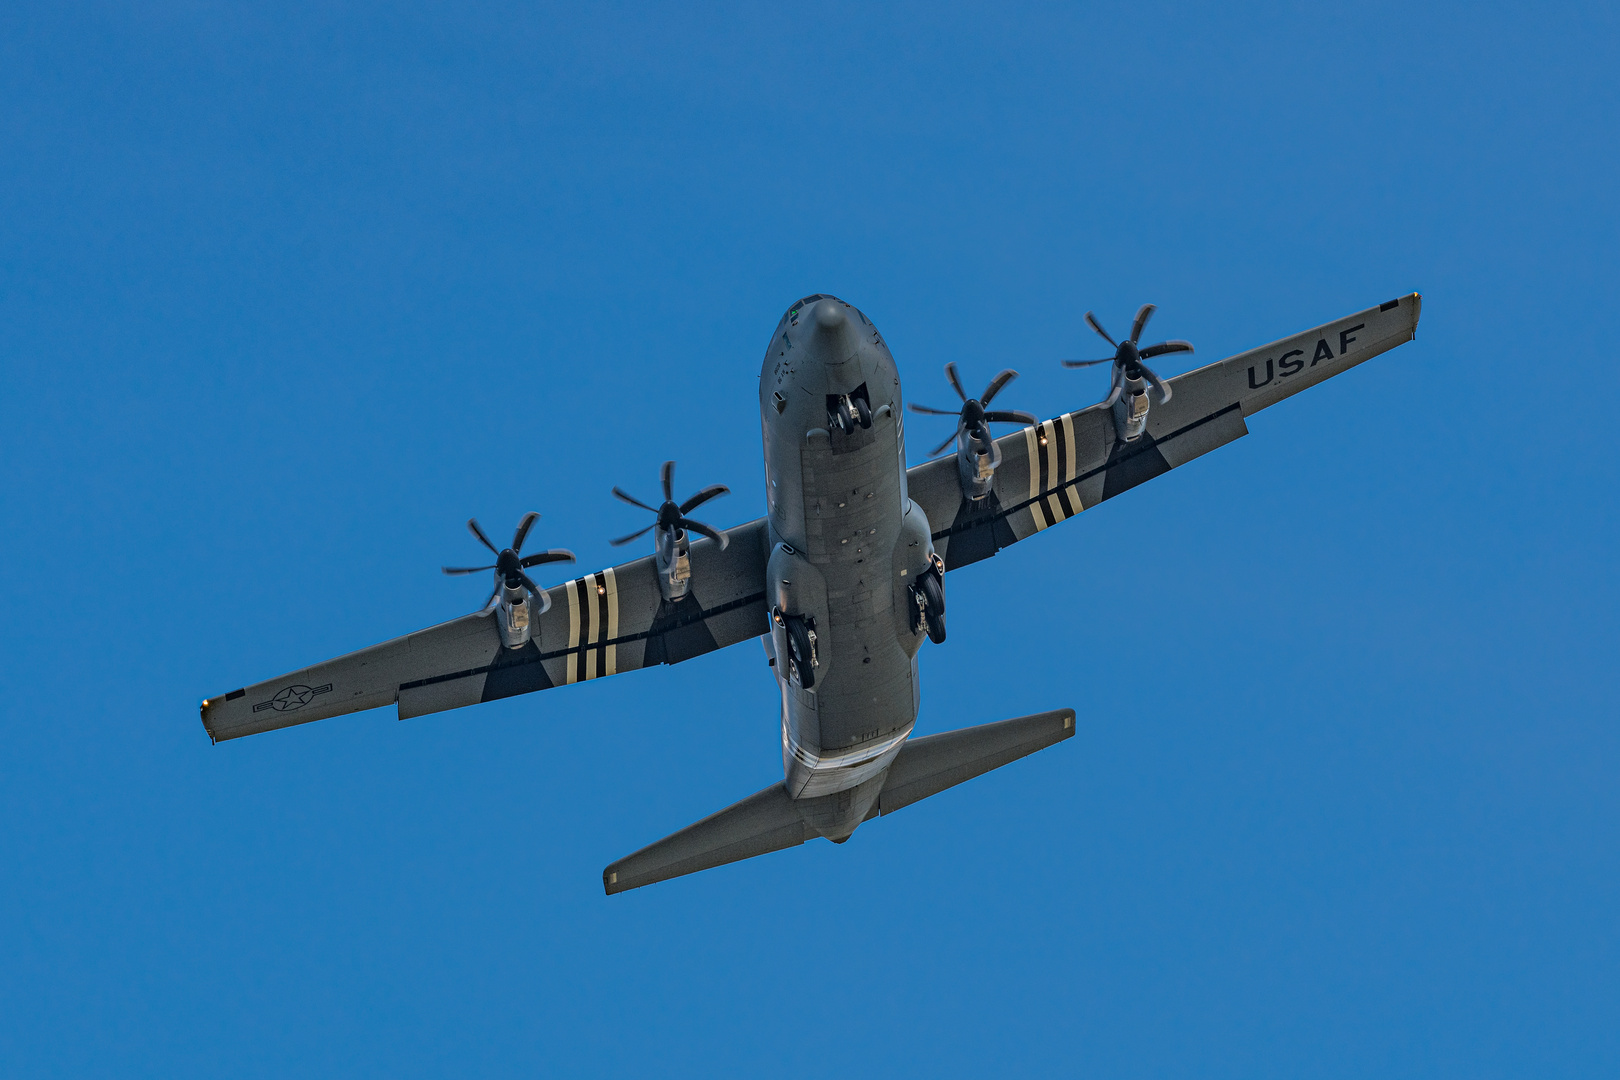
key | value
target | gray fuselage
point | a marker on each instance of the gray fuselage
(846, 543)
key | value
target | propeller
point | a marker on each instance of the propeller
(672, 515)
(1128, 356)
(974, 418)
(510, 563)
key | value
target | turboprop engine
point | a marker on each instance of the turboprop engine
(1128, 392)
(977, 455)
(672, 548)
(513, 588)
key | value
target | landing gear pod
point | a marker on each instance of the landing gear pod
(801, 647)
(928, 596)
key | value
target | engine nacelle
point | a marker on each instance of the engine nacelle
(1131, 410)
(976, 468)
(512, 617)
(674, 562)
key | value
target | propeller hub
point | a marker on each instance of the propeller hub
(669, 518)
(1128, 369)
(510, 564)
(974, 418)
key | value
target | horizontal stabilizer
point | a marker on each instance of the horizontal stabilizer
(929, 765)
(770, 821)
(765, 821)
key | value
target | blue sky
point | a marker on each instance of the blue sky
(287, 293)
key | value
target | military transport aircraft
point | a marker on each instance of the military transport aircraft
(841, 580)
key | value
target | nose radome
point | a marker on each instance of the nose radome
(829, 315)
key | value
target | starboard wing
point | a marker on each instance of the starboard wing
(1053, 470)
(599, 624)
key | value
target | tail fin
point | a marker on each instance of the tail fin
(770, 821)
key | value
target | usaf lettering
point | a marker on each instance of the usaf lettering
(1292, 363)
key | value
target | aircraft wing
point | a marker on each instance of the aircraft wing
(600, 624)
(1055, 469)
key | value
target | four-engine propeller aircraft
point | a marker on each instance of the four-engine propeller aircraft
(842, 579)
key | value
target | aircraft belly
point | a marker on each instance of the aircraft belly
(864, 700)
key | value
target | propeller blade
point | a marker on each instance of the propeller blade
(1087, 363)
(668, 473)
(940, 449)
(713, 491)
(528, 583)
(1142, 316)
(926, 411)
(1097, 326)
(472, 523)
(523, 528)
(1157, 383)
(1116, 388)
(956, 383)
(465, 569)
(996, 384)
(704, 530)
(1165, 347)
(554, 555)
(632, 536)
(625, 496)
(1010, 416)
